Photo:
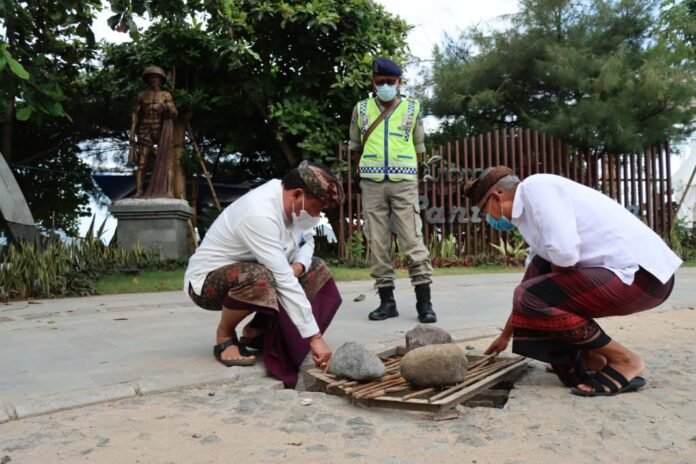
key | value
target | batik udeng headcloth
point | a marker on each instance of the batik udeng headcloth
(324, 186)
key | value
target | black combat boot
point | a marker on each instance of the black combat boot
(423, 305)
(387, 306)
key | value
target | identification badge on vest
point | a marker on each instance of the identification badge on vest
(406, 123)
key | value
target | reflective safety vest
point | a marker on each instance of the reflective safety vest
(389, 153)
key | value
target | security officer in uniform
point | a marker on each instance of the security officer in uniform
(387, 132)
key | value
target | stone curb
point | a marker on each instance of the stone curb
(166, 384)
(52, 403)
(6, 413)
(30, 407)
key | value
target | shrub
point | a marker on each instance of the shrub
(57, 269)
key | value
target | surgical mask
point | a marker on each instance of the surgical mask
(502, 224)
(386, 92)
(304, 220)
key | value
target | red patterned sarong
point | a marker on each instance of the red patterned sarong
(553, 313)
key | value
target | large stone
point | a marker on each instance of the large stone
(424, 335)
(434, 365)
(13, 207)
(353, 361)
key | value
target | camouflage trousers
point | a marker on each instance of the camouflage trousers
(394, 206)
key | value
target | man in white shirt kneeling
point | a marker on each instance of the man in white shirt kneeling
(258, 257)
(589, 257)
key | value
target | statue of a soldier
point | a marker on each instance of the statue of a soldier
(152, 122)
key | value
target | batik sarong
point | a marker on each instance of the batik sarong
(249, 286)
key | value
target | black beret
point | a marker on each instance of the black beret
(385, 67)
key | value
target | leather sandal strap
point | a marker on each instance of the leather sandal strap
(607, 383)
(232, 341)
(616, 375)
(593, 382)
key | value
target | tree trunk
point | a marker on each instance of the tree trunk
(7, 128)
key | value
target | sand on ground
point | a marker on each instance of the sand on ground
(258, 423)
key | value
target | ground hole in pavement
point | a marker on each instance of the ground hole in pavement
(494, 397)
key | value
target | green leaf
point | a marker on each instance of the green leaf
(15, 66)
(24, 114)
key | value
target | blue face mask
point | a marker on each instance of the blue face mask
(502, 224)
(386, 92)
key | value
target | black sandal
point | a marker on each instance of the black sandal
(600, 380)
(218, 349)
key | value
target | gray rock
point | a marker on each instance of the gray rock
(353, 361)
(210, 439)
(434, 365)
(424, 335)
(103, 441)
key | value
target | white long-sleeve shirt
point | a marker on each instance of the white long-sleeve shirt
(569, 224)
(254, 229)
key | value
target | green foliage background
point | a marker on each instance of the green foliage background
(606, 76)
(269, 82)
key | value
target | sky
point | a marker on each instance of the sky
(432, 18)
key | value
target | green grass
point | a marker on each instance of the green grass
(343, 274)
(162, 281)
(146, 281)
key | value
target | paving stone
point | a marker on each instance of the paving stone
(470, 440)
(327, 427)
(317, 449)
(248, 405)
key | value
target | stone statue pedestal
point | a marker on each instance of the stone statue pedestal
(157, 224)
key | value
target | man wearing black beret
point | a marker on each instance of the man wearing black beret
(387, 133)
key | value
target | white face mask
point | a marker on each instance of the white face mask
(386, 92)
(304, 221)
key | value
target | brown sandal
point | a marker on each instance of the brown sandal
(218, 349)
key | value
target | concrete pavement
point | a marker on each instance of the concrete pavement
(60, 354)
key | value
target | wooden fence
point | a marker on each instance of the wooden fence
(639, 181)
